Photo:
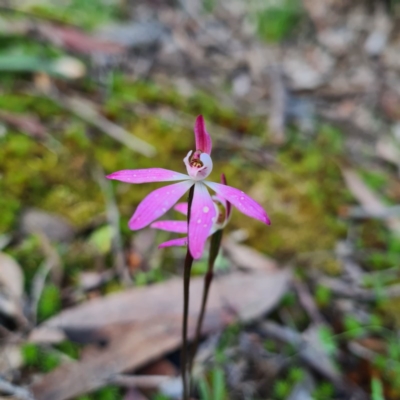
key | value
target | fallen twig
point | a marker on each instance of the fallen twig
(362, 213)
(277, 117)
(309, 352)
(308, 303)
(370, 201)
(86, 110)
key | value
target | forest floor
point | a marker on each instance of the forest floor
(302, 102)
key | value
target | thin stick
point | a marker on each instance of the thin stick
(87, 112)
(186, 281)
(113, 218)
(214, 249)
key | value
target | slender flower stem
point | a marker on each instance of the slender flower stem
(214, 250)
(186, 282)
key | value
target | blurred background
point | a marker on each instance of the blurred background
(302, 100)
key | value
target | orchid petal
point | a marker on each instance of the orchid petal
(202, 216)
(157, 203)
(174, 242)
(147, 175)
(182, 208)
(241, 201)
(171, 226)
(202, 137)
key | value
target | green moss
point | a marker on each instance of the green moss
(281, 389)
(108, 393)
(276, 22)
(324, 391)
(36, 357)
(29, 255)
(30, 354)
(86, 14)
(48, 361)
(323, 295)
(376, 180)
(296, 374)
(69, 348)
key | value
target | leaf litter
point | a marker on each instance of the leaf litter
(136, 335)
(309, 145)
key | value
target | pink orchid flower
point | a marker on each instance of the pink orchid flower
(199, 166)
(223, 212)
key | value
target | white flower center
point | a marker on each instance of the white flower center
(198, 165)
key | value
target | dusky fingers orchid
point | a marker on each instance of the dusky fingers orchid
(203, 213)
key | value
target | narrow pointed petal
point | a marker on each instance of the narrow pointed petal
(241, 201)
(157, 203)
(147, 175)
(182, 208)
(202, 216)
(171, 226)
(174, 242)
(203, 139)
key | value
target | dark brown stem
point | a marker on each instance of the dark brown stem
(214, 249)
(186, 281)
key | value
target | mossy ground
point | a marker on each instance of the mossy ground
(303, 191)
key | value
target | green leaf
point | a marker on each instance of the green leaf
(377, 389)
(63, 67)
(218, 383)
(101, 239)
(204, 390)
(49, 303)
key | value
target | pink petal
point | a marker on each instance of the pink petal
(174, 242)
(201, 219)
(241, 201)
(157, 203)
(147, 175)
(171, 226)
(203, 139)
(182, 208)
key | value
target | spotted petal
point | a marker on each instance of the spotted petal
(202, 216)
(241, 201)
(171, 226)
(157, 203)
(203, 139)
(147, 175)
(174, 242)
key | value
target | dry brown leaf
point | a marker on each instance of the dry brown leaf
(142, 324)
(55, 227)
(10, 358)
(145, 303)
(78, 41)
(369, 200)
(248, 258)
(386, 149)
(309, 346)
(11, 276)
